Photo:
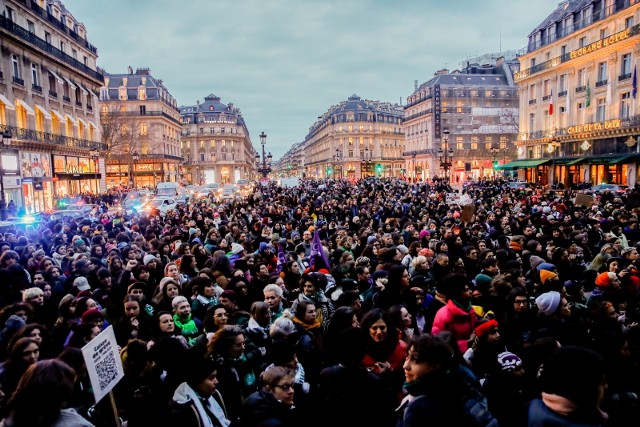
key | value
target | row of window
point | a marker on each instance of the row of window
(603, 77)
(63, 45)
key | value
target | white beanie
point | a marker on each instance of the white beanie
(147, 259)
(548, 302)
(236, 248)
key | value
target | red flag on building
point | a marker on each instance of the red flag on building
(551, 103)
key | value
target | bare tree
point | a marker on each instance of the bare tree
(125, 133)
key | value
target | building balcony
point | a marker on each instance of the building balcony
(596, 16)
(562, 93)
(36, 88)
(27, 135)
(79, 104)
(143, 114)
(53, 94)
(580, 89)
(66, 99)
(41, 45)
(18, 81)
(532, 101)
(546, 97)
(623, 77)
(601, 83)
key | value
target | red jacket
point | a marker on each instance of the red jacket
(454, 319)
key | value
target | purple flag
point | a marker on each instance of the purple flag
(282, 257)
(317, 251)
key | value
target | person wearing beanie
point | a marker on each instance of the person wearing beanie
(546, 276)
(197, 401)
(509, 390)
(487, 344)
(572, 381)
(548, 302)
(535, 261)
(148, 258)
(608, 287)
(546, 266)
(237, 251)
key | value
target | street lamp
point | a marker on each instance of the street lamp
(366, 163)
(415, 169)
(95, 156)
(265, 168)
(135, 158)
(337, 158)
(6, 142)
(446, 155)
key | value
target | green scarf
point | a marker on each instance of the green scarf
(187, 327)
(466, 308)
(248, 377)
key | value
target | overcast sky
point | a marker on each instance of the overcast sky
(284, 63)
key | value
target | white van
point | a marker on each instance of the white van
(171, 190)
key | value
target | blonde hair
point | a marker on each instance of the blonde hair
(35, 292)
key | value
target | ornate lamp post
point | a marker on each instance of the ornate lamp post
(6, 142)
(366, 163)
(446, 155)
(135, 158)
(265, 168)
(337, 158)
(95, 156)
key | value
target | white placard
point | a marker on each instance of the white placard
(103, 362)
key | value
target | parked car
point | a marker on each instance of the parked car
(84, 207)
(159, 205)
(518, 185)
(614, 188)
(67, 215)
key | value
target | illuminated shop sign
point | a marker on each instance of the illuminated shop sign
(590, 127)
(617, 37)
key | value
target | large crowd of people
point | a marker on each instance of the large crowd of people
(371, 302)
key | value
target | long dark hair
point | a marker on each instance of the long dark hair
(49, 383)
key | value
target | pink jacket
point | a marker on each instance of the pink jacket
(457, 321)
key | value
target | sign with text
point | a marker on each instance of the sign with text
(103, 362)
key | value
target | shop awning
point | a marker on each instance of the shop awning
(8, 104)
(71, 119)
(58, 115)
(26, 107)
(622, 159)
(70, 83)
(522, 164)
(44, 112)
(603, 160)
(57, 77)
(568, 161)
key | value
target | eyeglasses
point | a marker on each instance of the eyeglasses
(284, 387)
(520, 301)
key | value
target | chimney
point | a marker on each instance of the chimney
(415, 85)
(130, 69)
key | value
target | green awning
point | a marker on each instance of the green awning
(567, 161)
(604, 160)
(522, 164)
(621, 159)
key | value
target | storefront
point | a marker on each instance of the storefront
(74, 175)
(11, 182)
(37, 189)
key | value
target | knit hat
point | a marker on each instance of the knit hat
(236, 248)
(508, 361)
(483, 281)
(535, 261)
(546, 275)
(110, 246)
(92, 315)
(81, 283)
(147, 259)
(485, 327)
(371, 240)
(546, 266)
(605, 279)
(192, 231)
(423, 233)
(548, 302)
(263, 246)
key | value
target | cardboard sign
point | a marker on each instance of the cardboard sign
(103, 362)
(583, 200)
(467, 213)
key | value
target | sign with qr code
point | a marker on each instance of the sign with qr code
(103, 363)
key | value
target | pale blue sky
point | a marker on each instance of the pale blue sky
(285, 62)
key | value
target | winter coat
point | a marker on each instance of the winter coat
(188, 410)
(454, 319)
(261, 409)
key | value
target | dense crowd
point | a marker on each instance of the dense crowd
(377, 302)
